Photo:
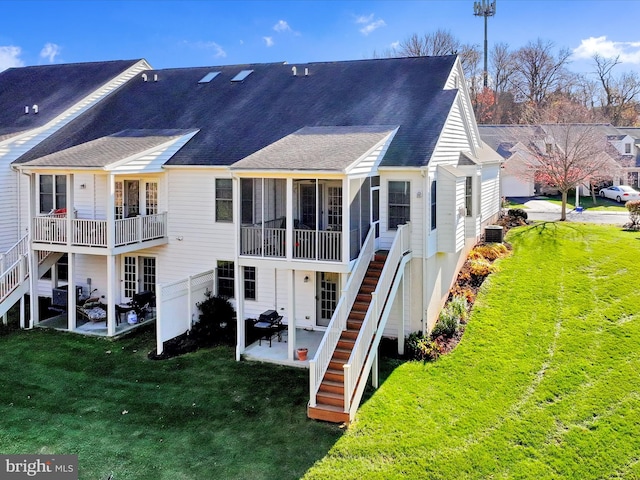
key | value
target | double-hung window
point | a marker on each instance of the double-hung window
(250, 283)
(53, 192)
(399, 197)
(224, 200)
(225, 279)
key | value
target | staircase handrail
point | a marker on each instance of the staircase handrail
(360, 386)
(21, 247)
(320, 362)
(13, 276)
(353, 367)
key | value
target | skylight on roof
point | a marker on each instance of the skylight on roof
(242, 75)
(208, 77)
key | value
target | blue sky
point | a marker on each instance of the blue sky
(203, 33)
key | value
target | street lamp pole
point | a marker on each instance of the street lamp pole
(485, 8)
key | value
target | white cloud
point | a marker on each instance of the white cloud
(218, 51)
(395, 45)
(282, 26)
(50, 51)
(629, 52)
(10, 57)
(364, 18)
(268, 41)
(366, 30)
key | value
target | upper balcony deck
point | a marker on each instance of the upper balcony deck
(58, 233)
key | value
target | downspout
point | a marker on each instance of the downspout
(425, 239)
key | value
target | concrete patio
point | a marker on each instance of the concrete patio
(278, 351)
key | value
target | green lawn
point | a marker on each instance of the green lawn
(200, 416)
(544, 385)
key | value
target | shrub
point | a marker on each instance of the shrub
(459, 306)
(447, 325)
(419, 347)
(517, 213)
(491, 251)
(481, 267)
(634, 212)
(216, 322)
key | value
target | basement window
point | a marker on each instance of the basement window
(242, 75)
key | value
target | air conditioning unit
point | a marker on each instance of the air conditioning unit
(493, 234)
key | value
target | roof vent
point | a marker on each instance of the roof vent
(295, 71)
(306, 72)
(144, 77)
(35, 109)
(26, 109)
(208, 77)
(242, 75)
(155, 77)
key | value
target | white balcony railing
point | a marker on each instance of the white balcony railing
(93, 233)
(320, 362)
(262, 241)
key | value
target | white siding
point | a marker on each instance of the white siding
(490, 202)
(450, 199)
(9, 233)
(191, 217)
(370, 162)
(454, 139)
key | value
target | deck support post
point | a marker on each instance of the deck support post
(291, 315)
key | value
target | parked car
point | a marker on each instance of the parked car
(620, 193)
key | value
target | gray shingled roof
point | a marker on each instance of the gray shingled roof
(317, 148)
(238, 119)
(53, 88)
(107, 150)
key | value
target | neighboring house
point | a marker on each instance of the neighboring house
(35, 103)
(344, 196)
(517, 176)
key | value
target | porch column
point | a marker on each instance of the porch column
(71, 289)
(291, 314)
(111, 212)
(22, 312)
(239, 284)
(69, 222)
(33, 256)
(346, 221)
(289, 232)
(111, 294)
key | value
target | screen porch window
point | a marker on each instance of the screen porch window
(224, 200)
(53, 192)
(399, 207)
(225, 279)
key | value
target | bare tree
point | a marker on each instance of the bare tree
(619, 94)
(565, 151)
(441, 42)
(538, 72)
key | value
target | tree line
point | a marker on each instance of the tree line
(534, 78)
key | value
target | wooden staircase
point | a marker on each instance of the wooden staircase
(330, 397)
